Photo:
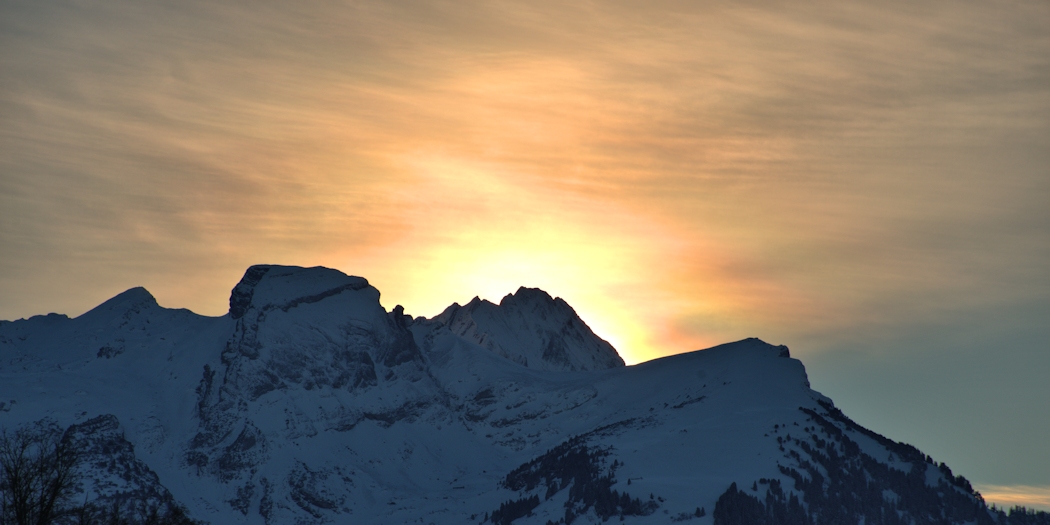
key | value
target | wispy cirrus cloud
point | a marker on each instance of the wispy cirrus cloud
(1009, 496)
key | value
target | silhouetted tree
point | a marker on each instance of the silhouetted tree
(38, 474)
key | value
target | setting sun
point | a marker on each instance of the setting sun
(604, 261)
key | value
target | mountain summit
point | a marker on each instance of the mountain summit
(310, 403)
(265, 287)
(532, 329)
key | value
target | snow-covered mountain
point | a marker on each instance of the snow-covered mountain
(310, 403)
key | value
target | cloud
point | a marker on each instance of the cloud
(815, 161)
(1009, 496)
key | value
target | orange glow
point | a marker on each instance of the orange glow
(488, 234)
(673, 185)
(1007, 496)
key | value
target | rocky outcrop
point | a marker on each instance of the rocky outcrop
(532, 329)
(300, 336)
(115, 476)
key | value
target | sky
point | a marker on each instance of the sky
(867, 183)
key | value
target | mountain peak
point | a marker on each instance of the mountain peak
(137, 298)
(528, 295)
(136, 295)
(533, 329)
(268, 285)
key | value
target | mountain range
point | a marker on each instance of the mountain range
(310, 403)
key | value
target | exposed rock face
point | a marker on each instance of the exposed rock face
(241, 296)
(116, 476)
(299, 341)
(532, 329)
(301, 335)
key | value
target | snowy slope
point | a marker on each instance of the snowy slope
(309, 403)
